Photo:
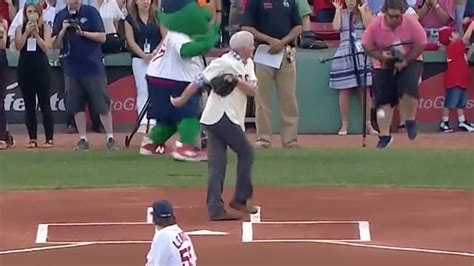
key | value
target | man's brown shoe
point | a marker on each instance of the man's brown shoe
(248, 207)
(227, 216)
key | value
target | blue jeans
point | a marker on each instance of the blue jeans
(455, 98)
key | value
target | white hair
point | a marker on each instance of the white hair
(241, 39)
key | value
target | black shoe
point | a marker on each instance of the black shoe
(384, 142)
(112, 145)
(444, 127)
(82, 145)
(466, 126)
(411, 129)
(9, 140)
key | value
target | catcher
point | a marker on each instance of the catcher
(230, 79)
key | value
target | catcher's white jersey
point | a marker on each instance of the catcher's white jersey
(168, 62)
(233, 105)
(171, 246)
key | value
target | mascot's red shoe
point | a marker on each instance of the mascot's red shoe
(189, 153)
(149, 148)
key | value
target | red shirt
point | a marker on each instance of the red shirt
(457, 72)
(4, 11)
(322, 4)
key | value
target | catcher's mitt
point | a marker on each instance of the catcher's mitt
(223, 85)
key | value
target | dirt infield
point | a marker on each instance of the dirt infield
(457, 140)
(296, 226)
(304, 226)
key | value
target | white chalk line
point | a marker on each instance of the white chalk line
(98, 223)
(42, 233)
(364, 231)
(25, 250)
(257, 217)
(311, 222)
(247, 236)
(106, 242)
(422, 250)
(364, 236)
(247, 232)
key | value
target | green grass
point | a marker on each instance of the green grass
(343, 167)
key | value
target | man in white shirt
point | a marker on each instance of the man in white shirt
(223, 119)
(48, 15)
(171, 246)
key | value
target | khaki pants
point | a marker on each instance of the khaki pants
(284, 80)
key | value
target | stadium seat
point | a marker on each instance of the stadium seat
(217, 52)
(325, 31)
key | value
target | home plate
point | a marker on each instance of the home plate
(206, 233)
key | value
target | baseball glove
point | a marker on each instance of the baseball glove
(223, 85)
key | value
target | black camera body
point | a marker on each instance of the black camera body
(397, 56)
(73, 22)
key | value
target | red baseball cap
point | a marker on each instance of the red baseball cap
(444, 35)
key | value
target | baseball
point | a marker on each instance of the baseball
(380, 113)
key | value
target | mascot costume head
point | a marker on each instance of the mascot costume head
(179, 61)
(191, 19)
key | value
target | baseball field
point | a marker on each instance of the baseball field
(329, 203)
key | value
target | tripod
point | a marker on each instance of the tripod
(361, 83)
(144, 110)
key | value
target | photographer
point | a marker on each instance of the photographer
(33, 40)
(79, 33)
(398, 68)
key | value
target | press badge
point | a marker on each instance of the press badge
(31, 45)
(359, 47)
(146, 47)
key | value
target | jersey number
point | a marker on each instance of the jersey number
(186, 256)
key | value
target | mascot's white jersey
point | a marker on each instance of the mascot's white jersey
(168, 62)
(171, 246)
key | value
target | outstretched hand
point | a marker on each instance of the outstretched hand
(363, 7)
(337, 4)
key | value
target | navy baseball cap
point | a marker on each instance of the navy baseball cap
(162, 209)
(171, 6)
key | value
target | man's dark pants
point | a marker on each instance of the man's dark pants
(220, 135)
(390, 87)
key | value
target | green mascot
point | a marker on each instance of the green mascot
(178, 63)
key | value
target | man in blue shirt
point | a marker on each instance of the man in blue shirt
(78, 31)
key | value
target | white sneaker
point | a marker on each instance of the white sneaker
(444, 127)
(466, 126)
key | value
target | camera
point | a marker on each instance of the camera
(73, 22)
(397, 56)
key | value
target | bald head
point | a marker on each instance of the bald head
(243, 43)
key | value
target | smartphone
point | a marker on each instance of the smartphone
(33, 17)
